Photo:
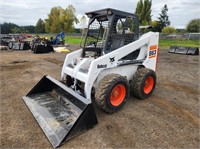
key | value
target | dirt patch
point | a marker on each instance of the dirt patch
(178, 110)
(3, 48)
(168, 119)
(54, 61)
(16, 62)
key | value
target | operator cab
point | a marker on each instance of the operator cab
(108, 30)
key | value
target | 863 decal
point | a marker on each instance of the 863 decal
(153, 51)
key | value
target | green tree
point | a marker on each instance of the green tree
(29, 28)
(181, 30)
(168, 30)
(155, 25)
(24, 30)
(52, 23)
(163, 18)
(7, 28)
(40, 26)
(61, 19)
(194, 26)
(143, 10)
(68, 18)
(16, 30)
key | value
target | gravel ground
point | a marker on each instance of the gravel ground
(168, 119)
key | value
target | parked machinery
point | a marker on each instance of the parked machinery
(112, 62)
(58, 39)
(18, 42)
(41, 45)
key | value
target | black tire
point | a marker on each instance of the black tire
(143, 83)
(112, 93)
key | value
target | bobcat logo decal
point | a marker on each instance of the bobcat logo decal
(112, 59)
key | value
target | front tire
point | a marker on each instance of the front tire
(112, 93)
(143, 83)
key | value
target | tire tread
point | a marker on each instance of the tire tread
(102, 89)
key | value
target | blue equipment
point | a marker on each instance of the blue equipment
(56, 40)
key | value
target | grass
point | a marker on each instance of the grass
(68, 39)
(189, 43)
(164, 43)
(73, 39)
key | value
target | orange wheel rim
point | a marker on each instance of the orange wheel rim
(148, 86)
(117, 95)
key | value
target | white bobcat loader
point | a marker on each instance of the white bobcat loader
(112, 62)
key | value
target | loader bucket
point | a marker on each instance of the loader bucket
(43, 49)
(61, 112)
(184, 50)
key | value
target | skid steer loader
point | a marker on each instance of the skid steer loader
(112, 62)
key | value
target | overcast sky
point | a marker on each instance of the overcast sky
(27, 12)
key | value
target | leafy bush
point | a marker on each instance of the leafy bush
(168, 30)
(194, 26)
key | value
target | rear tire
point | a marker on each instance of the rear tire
(112, 93)
(143, 83)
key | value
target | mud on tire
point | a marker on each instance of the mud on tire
(143, 83)
(112, 93)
